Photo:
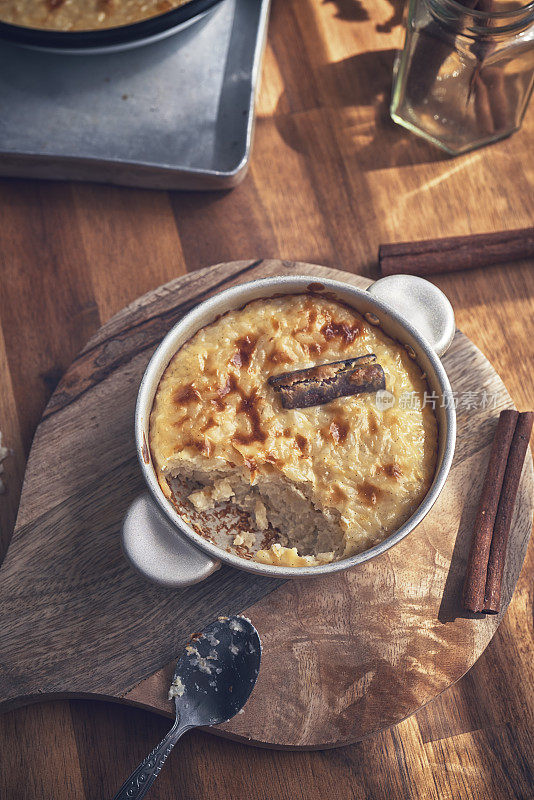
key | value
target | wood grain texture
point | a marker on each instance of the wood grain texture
(330, 179)
(345, 656)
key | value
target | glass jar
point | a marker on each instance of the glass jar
(466, 71)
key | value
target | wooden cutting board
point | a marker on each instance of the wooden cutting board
(344, 656)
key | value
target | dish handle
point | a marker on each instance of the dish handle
(421, 304)
(156, 549)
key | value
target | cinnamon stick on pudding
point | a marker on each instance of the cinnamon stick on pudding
(477, 565)
(503, 521)
(325, 382)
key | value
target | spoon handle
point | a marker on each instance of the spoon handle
(137, 785)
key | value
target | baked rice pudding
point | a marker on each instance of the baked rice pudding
(81, 15)
(321, 482)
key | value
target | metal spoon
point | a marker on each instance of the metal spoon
(212, 682)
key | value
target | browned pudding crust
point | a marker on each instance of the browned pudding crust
(330, 479)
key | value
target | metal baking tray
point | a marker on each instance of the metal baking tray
(177, 114)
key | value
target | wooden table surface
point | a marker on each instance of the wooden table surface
(330, 179)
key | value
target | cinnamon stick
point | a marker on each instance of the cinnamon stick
(503, 520)
(433, 256)
(326, 382)
(477, 565)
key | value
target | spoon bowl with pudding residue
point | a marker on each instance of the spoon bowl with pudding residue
(212, 682)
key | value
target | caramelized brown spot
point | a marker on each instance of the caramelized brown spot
(186, 394)
(230, 385)
(249, 406)
(315, 287)
(243, 354)
(312, 312)
(313, 349)
(369, 493)
(53, 4)
(144, 450)
(373, 424)
(347, 333)
(302, 443)
(337, 493)
(210, 423)
(201, 445)
(392, 471)
(311, 316)
(287, 432)
(277, 357)
(339, 429)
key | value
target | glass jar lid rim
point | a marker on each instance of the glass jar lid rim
(485, 15)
